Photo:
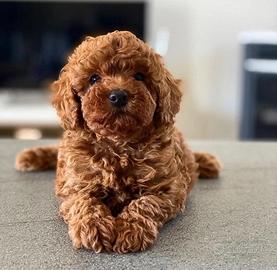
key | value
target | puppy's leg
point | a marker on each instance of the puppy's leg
(37, 159)
(138, 224)
(90, 223)
(209, 165)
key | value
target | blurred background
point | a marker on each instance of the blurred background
(225, 51)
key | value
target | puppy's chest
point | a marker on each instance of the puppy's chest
(121, 175)
(122, 166)
(120, 178)
(125, 173)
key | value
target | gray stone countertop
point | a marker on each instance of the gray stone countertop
(229, 223)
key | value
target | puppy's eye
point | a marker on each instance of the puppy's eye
(139, 76)
(94, 78)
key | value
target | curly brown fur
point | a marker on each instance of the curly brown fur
(121, 172)
(209, 166)
(37, 159)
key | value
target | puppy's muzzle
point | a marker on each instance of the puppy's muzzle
(118, 98)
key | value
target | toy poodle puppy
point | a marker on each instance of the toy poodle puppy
(123, 169)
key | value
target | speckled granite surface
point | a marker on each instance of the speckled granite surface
(230, 223)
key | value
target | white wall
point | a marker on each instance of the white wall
(204, 52)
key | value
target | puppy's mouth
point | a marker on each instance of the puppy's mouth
(117, 113)
(115, 117)
(117, 123)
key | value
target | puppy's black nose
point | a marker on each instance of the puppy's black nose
(118, 98)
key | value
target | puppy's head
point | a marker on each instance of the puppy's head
(115, 85)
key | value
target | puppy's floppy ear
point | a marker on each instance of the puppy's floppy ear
(65, 102)
(169, 98)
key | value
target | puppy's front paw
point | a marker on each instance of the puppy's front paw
(95, 234)
(134, 236)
